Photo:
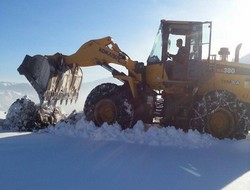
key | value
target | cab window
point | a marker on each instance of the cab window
(156, 52)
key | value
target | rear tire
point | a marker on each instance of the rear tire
(109, 103)
(221, 114)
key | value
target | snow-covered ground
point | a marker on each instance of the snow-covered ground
(77, 155)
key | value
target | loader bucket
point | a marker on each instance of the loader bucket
(53, 81)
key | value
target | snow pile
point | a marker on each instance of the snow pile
(77, 126)
(25, 115)
(21, 115)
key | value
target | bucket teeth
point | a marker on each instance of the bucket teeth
(65, 85)
(54, 81)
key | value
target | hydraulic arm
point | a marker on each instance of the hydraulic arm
(58, 77)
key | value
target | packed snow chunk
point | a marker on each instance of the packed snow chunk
(106, 132)
(48, 114)
(25, 115)
(135, 134)
(21, 115)
(70, 126)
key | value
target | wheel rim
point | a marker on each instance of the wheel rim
(221, 123)
(105, 111)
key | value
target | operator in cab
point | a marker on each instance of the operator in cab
(182, 54)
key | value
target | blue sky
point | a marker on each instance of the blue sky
(46, 27)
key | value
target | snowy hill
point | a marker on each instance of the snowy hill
(9, 92)
(77, 155)
(245, 59)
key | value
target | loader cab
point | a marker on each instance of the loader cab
(196, 37)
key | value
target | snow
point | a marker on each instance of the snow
(2, 114)
(7, 83)
(19, 114)
(154, 136)
(75, 154)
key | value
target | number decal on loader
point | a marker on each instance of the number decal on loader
(229, 70)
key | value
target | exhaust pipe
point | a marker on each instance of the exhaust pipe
(237, 53)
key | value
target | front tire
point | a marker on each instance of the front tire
(109, 103)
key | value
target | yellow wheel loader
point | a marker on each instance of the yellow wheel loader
(186, 88)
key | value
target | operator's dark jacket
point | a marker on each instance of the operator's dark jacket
(181, 56)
